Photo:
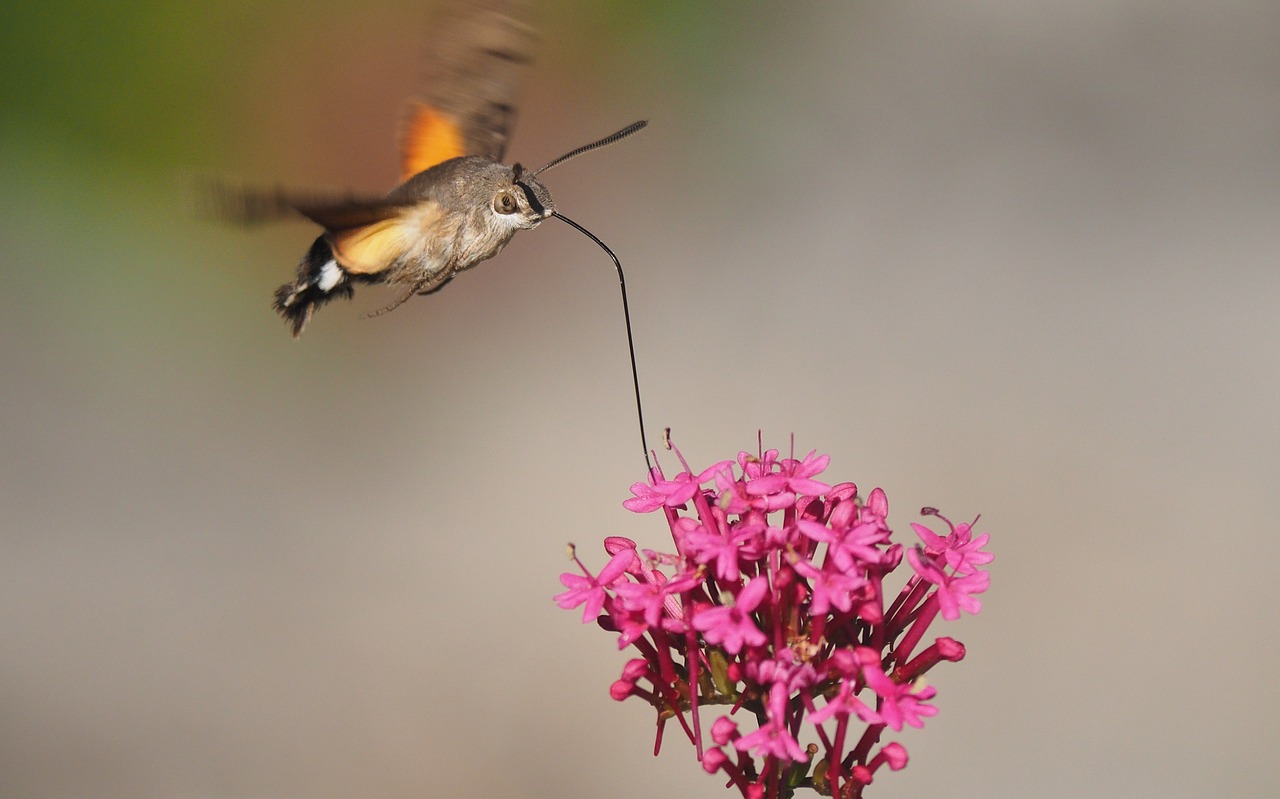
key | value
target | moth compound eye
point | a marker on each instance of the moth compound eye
(505, 203)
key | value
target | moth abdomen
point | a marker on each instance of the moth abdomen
(320, 279)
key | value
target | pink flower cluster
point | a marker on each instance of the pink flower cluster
(772, 607)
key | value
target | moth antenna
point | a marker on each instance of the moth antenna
(622, 283)
(586, 148)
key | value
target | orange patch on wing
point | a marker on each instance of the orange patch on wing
(429, 137)
(371, 248)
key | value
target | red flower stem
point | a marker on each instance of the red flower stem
(693, 661)
(917, 629)
(835, 769)
(858, 755)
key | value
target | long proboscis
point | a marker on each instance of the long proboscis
(626, 306)
(595, 145)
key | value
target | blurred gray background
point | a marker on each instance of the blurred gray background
(1000, 258)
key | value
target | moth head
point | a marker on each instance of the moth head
(522, 202)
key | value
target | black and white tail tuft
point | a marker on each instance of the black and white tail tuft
(320, 279)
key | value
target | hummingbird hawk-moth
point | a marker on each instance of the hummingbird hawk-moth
(457, 203)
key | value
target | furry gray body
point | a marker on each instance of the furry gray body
(437, 223)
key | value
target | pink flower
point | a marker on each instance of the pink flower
(783, 669)
(713, 760)
(845, 703)
(772, 738)
(961, 554)
(831, 588)
(724, 545)
(651, 598)
(799, 473)
(899, 704)
(724, 731)
(590, 591)
(955, 592)
(671, 493)
(772, 604)
(731, 626)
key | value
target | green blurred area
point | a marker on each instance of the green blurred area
(154, 83)
(142, 82)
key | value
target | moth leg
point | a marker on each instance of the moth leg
(432, 286)
(429, 286)
(392, 306)
(421, 287)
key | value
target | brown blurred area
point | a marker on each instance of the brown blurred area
(1009, 259)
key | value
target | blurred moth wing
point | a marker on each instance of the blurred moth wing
(471, 82)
